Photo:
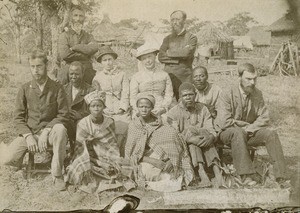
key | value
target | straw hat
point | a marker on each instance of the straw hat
(103, 51)
(146, 49)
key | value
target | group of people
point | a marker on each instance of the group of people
(160, 126)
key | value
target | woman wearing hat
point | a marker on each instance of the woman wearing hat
(156, 151)
(97, 157)
(151, 79)
(113, 82)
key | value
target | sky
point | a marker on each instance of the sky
(264, 11)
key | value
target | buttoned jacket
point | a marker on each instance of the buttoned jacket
(36, 109)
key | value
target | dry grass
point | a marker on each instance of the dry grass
(281, 96)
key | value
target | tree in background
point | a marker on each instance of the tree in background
(240, 23)
(46, 19)
(11, 18)
(191, 24)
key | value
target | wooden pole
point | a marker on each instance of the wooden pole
(273, 66)
(292, 58)
(297, 60)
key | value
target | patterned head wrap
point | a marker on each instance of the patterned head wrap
(145, 96)
(95, 95)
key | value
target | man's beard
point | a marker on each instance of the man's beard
(77, 26)
(248, 89)
(177, 29)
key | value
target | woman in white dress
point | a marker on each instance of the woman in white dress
(151, 79)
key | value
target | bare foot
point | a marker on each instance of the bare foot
(204, 183)
(219, 181)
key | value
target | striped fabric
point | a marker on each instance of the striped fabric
(96, 152)
(163, 140)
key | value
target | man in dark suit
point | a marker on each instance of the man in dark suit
(40, 117)
(76, 89)
(177, 51)
(243, 119)
(75, 44)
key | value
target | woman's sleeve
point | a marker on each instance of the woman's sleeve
(96, 84)
(134, 90)
(124, 102)
(168, 93)
(129, 141)
(82, 132)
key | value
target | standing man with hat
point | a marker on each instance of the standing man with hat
(177, 51)
(75, 44)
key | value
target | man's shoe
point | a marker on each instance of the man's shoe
(59, 184)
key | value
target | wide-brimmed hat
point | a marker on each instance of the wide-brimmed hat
(146, 49)
(146, 96)
(103, 51)
(124, 203)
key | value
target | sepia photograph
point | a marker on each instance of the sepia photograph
(150, 105)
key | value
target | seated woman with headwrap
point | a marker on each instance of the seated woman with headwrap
(151, 79)
(97, 157)
(157, 151)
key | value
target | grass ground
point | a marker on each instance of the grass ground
(281, 94)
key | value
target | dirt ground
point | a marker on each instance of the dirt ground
(281, 95)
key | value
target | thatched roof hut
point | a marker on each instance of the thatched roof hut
(284, 24)
(106, 31)
(283, 30)
(131, 36)
(209, 34)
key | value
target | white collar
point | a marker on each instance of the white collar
(183, 29)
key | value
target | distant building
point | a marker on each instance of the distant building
(242, 43)
(260, 36)
(283, 30)
(211, 37)
(261, 39)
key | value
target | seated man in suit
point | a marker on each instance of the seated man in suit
(40, 117)
(243, 119)
(76, 89)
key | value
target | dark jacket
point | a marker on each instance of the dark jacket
(177, 53)
(83, 47)
(36, 110)
(77, 105)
